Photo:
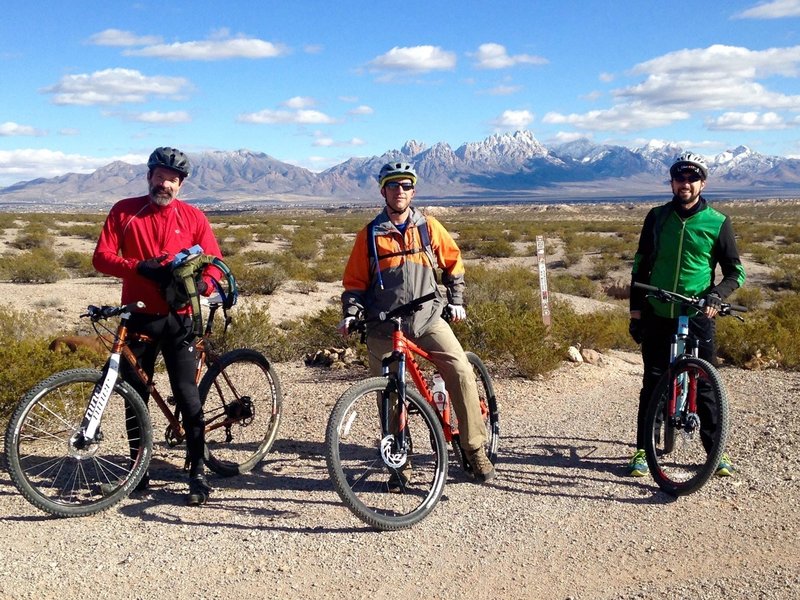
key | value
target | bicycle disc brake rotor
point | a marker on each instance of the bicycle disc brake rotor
(80, 448)
(391, 458)
(690, 425)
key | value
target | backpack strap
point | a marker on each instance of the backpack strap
(183, 288)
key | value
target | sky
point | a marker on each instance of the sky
(314, 83)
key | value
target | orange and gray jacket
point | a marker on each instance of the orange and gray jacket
(407, 271)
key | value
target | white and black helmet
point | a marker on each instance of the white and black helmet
(691, 162)
(396, 170)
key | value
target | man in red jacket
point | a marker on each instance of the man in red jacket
(139, 239)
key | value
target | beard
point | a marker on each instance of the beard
(160, 195)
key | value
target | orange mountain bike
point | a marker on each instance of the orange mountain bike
(81, 440)
(381, 426)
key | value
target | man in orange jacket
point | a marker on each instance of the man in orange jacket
(393, 262)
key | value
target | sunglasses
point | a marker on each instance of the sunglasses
(690, 179)
(393, 185)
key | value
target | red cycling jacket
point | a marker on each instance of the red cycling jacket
(137, 229)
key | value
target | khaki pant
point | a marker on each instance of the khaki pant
(450, 360)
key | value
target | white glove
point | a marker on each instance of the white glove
(457, 312)
(344, 326)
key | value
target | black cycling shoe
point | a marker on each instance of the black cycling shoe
(199, 490)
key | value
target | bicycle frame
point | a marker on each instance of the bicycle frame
(175, 433)
(404, 354)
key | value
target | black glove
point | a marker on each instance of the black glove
(153, 270)
(713, 300)
(636, 329)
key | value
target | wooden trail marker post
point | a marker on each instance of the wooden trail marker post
(544, 293)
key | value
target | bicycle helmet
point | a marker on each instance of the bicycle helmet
(170, 158)
(396, 170)
(691, 162)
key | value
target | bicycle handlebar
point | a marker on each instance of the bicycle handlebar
(406, 310)
(96, 313)
(692, 301)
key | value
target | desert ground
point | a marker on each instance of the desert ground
(560, 521)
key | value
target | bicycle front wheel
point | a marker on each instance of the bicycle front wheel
(385, 487)
(684, 447)
(242, 403)
(59, 471)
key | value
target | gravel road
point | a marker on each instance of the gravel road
(560, 521)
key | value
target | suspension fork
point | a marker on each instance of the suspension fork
(105, 386)
(683, 397)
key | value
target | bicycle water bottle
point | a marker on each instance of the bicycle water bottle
(440, 395)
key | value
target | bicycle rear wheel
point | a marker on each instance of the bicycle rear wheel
(684, 449)
(489, 410)
(57, 471)
(359, 458)
(242, 404)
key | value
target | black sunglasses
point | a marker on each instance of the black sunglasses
(393, 185)
(690, 179)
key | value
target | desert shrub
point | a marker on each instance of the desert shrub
(772, 333)
(495, 249)
(575, 286)
(304, 244)
(749, 297)
(79, 263)
(516, 339)
(34, 235)
(259, 279)
(86, 231)
(599, 330)
(515, 285)
(35, 266)
(25, 358)
(786, 272)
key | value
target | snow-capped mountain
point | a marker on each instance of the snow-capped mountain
(502, 166)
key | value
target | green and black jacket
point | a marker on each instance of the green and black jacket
(680, 253)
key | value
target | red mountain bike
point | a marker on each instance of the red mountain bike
(381, 426)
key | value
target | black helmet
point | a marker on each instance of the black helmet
(170, 158)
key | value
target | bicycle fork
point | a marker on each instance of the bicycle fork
(682, 404)
(395, 447)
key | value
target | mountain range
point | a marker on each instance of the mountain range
(510, 167)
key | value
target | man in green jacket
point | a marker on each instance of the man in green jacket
(680, 246)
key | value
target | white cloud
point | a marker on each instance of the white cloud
(328, 142)
(747, 121)
(419, 59)
(118, 37)
(776, 9)
(114, 86)
(717, 77)
(9, 128)
(619, 118)
(280, 117)
(563, 137)
(502, 90)
(495, 56)
(26, 164)
(299, 102)
(513, 120)
(362, 109)
(214, 49)
(606, 77)
(154, 116)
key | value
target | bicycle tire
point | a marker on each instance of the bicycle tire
(51, 471)
(358, 470)
(688, 465)
(242, 404)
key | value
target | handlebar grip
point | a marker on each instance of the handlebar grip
(645, 286)
(737, 308)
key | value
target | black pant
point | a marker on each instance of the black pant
(656, 342)
(171, 335)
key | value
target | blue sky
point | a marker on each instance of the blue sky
(314, 83)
